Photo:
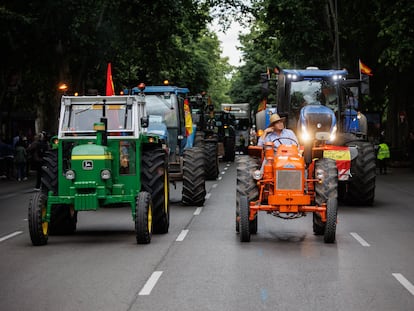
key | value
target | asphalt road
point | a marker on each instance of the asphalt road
(201, 265)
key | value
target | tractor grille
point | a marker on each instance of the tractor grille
(289, 180)
(323, 120)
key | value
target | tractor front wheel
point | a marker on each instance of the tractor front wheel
(38, 227)
(330, 226)
(143, 218)
(244, 219)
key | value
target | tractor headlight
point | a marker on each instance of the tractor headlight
(333, 134)
(70, 175)
(257, 174)
(305, 135)
(105, 174)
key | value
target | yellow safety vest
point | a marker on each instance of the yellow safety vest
(383, 152)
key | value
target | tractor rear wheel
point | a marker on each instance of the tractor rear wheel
(143, 218)
(246, 185)
(63, 220)
(154, 176)
(194, 184)
(211, 159)
(244, 219)
(38, 227)
(361, 186)
(326, 192)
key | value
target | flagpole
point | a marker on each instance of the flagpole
(359, 68)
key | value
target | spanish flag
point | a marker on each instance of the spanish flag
(364, 69)
(110, 90)
(188, 119)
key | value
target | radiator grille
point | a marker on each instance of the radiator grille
(289, 180)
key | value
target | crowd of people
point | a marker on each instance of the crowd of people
(21, 156)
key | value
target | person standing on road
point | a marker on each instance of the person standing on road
(20, 159)
(383, 156)
(277, 133)
(37, 149)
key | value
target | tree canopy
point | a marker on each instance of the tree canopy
(48, 42)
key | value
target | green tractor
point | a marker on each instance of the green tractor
(102, 157)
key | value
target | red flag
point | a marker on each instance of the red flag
(364, 69)
(262, 105)
(109, 82)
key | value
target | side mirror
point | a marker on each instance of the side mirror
(145, 122)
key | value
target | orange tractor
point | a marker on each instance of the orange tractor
(292, 181)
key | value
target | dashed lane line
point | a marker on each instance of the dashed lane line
(150, 284)
(360, 239)
(404, 282)
(182, 235)
(10, 236)
(198, 211)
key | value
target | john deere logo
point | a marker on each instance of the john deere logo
(87, 165)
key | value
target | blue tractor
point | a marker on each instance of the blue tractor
(166, 111)
(307, 98)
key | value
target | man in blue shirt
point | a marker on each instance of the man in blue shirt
(277, 133)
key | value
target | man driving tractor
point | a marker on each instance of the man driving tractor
(277, 133)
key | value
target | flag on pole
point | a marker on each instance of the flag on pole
(364, 69)
(262, 105)
(110, 90)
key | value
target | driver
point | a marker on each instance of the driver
(277, 133)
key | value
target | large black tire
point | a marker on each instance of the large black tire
(246, 185)
(361, 185)
(143, 218)
(244, 219)
(38, 228)
(194, 184)
(326, 192)
(211, 159)
(49, 176)
(229, 143)
(331, 218)
(154, 178)
(63, 220)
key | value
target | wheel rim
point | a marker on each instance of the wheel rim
(150, 218)
(45, 224)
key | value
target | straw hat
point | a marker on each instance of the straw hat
(274, 118)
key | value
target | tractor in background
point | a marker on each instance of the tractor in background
(103, 156)
(166, 106)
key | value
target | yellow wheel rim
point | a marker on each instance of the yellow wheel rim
(150, 218)
(45, 224)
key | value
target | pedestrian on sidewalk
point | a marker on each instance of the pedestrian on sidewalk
(20, 158)
(37, 150)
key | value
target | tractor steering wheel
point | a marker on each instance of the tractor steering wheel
(280, 141)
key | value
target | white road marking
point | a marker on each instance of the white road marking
(226, 168)
(360, 240)
(198, 211)
(220, 178)
(148, 287)
(208, 195)
(182, 235)
(222, 173)
(10, 235)
(404, 282)
(214, 185)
